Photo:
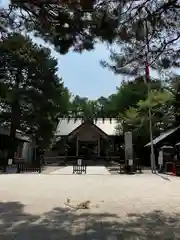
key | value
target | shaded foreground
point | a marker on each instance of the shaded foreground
(63, 223)
(140, 206)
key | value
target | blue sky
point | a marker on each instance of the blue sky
(83, 74)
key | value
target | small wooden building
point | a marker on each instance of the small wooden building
(21, 139)
(170, 137)
(90, 138)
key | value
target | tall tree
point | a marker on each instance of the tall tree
(34, 96)
(136, 119)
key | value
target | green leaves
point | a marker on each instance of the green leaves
(41, 95)
(136, 118)
(131, 117)
(152, 27)
(155, 99)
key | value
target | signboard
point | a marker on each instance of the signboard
(10, 161)
(128, 146)
(79, 162)
(130, 162)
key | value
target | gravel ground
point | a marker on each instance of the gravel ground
(32, 206)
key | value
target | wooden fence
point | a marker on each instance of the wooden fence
(22, 166)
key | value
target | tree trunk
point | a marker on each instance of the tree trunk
(15, 116)
(13, 128)
(177, 107)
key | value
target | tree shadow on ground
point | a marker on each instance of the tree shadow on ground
(63, 223)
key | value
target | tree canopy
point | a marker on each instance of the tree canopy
(131, 24)
(32, 96)
(149, 29)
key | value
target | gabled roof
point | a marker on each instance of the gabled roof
(90, 123)
(65, 126)
(163, 136)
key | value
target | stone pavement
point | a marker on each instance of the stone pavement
(92, 170)
(32, 206)
(48, 169)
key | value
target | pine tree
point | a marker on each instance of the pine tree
(33, 95)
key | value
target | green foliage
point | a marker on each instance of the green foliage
(155, 99)
(149, 26)
(131, 117)
(136, 119)
(130, 93)
(33, 96)
(78, 24)
(127, 95)
(174, 88)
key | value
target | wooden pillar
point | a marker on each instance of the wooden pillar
(114, 145)
(77, 146)
(99, 146)
(110, 149)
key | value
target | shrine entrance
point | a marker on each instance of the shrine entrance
(88, 149)
(88, 140)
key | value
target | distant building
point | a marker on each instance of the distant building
(97, 138)
(23, 142)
